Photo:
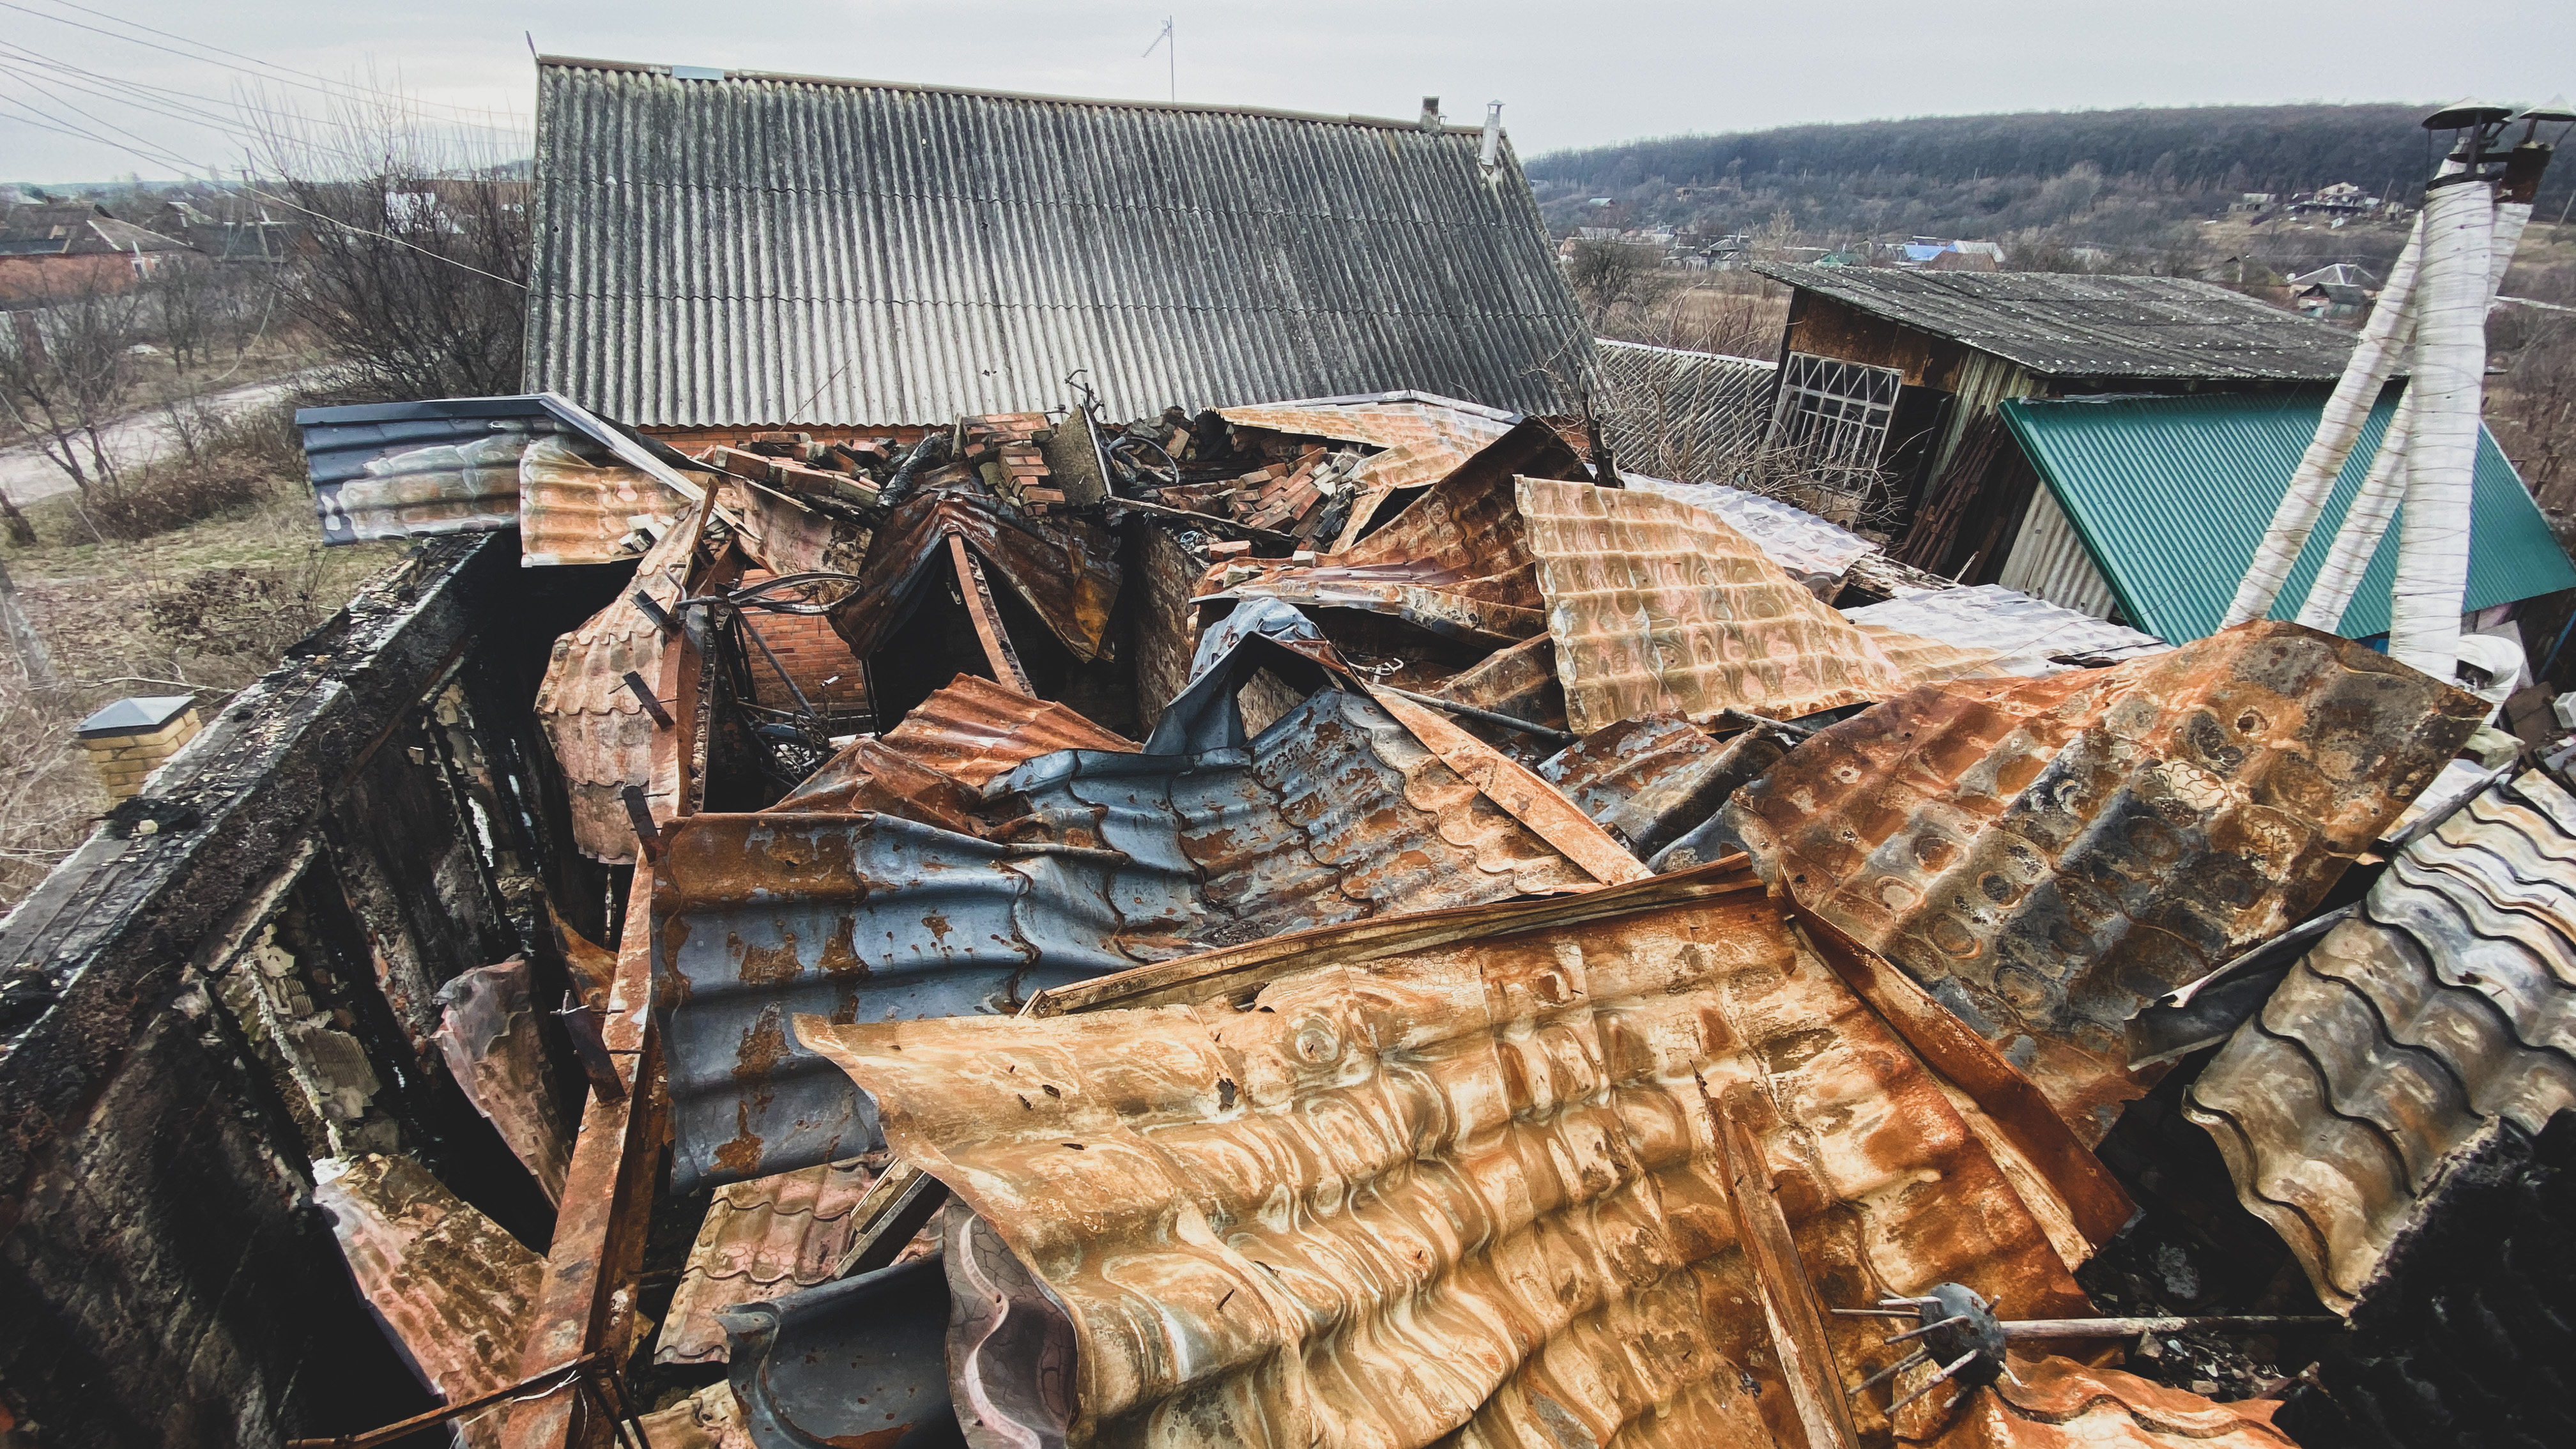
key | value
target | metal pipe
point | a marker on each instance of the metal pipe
(1484, 716)
(2132, 1327)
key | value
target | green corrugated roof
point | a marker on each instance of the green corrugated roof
(2171, 494)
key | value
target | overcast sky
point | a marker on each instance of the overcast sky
(1570, 74)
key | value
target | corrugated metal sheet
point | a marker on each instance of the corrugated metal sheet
(579, 505)
(489, 1037)
(2406, 1036)
(1458, 1178)
(2062, 325)
(1085, 861)
(2048, 560)
(2047, 856)
(977, 730)
(1065, 569)
(456, 1294)
(783, 249)
(1798, 541)
(2023, 633)
(602, 738)
(452, 465)
(761, 1240)
(1681, 414)
(2172, 494)
(1394, 421)
(1659, 607)
(857, 1364)
(1651, 779)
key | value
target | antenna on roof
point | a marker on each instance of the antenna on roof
(1171, 54)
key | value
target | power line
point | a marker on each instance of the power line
(271, 65)
(355, 91)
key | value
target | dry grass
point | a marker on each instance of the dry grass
(202, 609)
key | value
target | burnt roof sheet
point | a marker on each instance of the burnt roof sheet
(2024, 633)
(2411, 1031)
(2060, 325)
(2047, 856)
(761, 1239)
(774, 249)
(1465, 1184)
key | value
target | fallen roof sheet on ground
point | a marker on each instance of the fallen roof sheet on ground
(2048, 856)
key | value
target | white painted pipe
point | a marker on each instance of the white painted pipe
(2450, 362)
(2374, 358)
(2365, 523)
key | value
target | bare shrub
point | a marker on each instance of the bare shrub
(224, 463)
(48, 794)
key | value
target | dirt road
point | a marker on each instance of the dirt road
(26, 474)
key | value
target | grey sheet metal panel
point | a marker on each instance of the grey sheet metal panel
(2059, 325)
(1101, 861)
(2445, 1008)
(2024, 633)
(860, 1362)
(785, 249)
(2049, 560)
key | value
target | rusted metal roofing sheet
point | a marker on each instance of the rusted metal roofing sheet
(1066, 569)
(1806, 546)
(1087, 861)
(579, 504)
(856, 1364)
(454, 1291)
(2057, 1403)
(2063, 325)
(775, 249)
(787, 537)
(1393, 421)
(1457, 1178)
(2410, 1033)
(601, 735)
(760, 1240)
(977, 730)
(2048, 856)
(489, 1036)
(1659, 607)
(1650, 779)
(2023, 633)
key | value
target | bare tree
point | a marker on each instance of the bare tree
(413, 274)
(65, 370)
(1613, 277)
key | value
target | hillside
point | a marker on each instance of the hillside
(2130, 180)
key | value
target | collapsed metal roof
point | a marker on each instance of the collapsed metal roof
(2063, 325)
(2438, 1016)
(2048, 856)
(774, 249)
(1487, 1173)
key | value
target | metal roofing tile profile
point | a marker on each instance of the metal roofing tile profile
(1650, 779)
(2023, 633)
(2170, 495)
(601, 735)
(1085, 861)
(761, 1239)
(2057, 1403)
(1659, 607)
(2415, 1029)
(797, 249)
(2048, 856)
(578, 504)
(1390, 421)
(1458, 1178)
(2060, 325)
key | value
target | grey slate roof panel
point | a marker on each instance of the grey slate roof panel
(773, 249)
(2074, 326)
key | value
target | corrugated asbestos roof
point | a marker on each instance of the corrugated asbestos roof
(2171, 495)
(2407, 1035)
(2047, 856)
(780, 249)
(1461, 1178)
(1659, 607)
(1065, 866)
(2060, 325)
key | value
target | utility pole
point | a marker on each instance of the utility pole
(24, 641)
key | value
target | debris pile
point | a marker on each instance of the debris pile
(1326, 922)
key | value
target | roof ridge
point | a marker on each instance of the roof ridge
(1386, 123)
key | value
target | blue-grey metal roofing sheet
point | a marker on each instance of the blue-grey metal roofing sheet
(2059, 325)
(784, 249)
(2171, 494)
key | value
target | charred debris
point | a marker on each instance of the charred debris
(1335, 921)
